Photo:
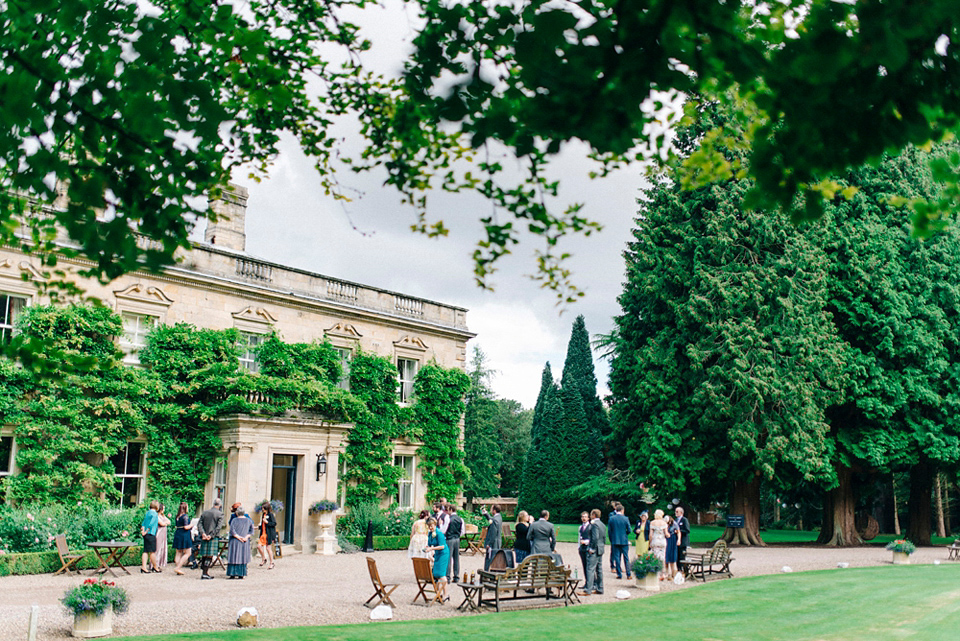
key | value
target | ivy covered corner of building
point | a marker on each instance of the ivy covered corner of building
(84, 428)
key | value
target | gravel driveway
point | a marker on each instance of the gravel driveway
(306, 589)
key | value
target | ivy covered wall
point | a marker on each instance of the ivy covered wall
(70, 416)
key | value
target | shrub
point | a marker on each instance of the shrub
(355, 522)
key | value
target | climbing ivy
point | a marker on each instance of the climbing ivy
(437, 410)
(70, 422)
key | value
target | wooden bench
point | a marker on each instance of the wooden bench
(953, 551)
(536, 572)
(714, 564)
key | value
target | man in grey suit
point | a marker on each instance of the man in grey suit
(595, 549)
(542, 536)
(494, 539)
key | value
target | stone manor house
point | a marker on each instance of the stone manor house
(217, 285)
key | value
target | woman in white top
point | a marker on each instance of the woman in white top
(658, 539)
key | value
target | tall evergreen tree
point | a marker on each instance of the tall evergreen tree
(579, 371)
(724, 354)
(481, 440)
(514, 423)
(532, 497)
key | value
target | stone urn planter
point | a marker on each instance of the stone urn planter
(90, 625)
(649, 582)
(325, 513)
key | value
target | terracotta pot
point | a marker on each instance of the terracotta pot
(89, 625)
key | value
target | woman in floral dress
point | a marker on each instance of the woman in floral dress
(658, 539)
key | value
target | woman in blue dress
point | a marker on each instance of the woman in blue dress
(437, 542)
(673, 533)
(182, 539)
(238, 549)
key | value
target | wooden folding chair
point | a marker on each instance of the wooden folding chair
(381, 589)
(507, 531)
(425, 582)
(68, 561)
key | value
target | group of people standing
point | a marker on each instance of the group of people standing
(437, 536)
(201, 539)
(667, 537)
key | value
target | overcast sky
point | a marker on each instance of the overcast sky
(518, 326)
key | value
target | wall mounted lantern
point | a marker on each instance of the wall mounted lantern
(321, 465)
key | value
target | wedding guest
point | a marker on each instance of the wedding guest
(268, 535)
(238, 549)
(670, 556)
(418, 536)
(162, 544)
(437, 543)
(521, 544)
(148, 530)
(642, 530)
(658, 539)
(182, 538)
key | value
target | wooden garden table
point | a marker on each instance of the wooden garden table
(114, 551)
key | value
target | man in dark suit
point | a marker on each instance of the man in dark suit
(494, 539)
(595, 549)
(452, 535)
(542, 535)
(619, 528)
(684, 524)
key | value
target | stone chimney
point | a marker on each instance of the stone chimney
(230, 210)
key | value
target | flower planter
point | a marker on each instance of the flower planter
(326, 541)
(649, 582)
(901, 558)
(89, 625)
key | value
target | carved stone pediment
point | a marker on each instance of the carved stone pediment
(141, 293)
(253, 314)
(408, 342)
(343, 330)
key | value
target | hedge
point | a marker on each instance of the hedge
(49, 562)
(399, 542)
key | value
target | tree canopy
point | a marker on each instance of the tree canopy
(136, 111)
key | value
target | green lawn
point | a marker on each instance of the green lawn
(896, 603)
(701, 535)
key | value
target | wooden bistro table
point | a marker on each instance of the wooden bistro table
(114, 551)
(471, 596)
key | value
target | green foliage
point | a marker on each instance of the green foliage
(578, 373)
(389, 522)
(901, 545)
(481, 443)
(386, 542)
(645, 564)
(369, 454)
(437, 410)
(299, 361)
(96, 597)
(532, 498)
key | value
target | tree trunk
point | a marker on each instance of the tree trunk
(839, 513)
(938, 497)
(921, 514)
(746, 501)
(896, 509)
(776, 510)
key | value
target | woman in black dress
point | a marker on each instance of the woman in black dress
(268, 535)
(521, 546)
(182, 539)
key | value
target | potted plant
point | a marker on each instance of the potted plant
(326, 541)
(319, 507)
(93, 604)
(902, 549)
(646, 569)
(275, 505)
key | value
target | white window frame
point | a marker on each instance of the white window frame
(408, 463)
(11, 462)
(141, 474)
(8, 318)
(220, 479)
(405, 384)
(134, 339)
(346, 355)
(249, 341)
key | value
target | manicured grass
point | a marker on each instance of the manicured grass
(915, 602)
(701, 535)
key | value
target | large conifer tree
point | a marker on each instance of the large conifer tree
(578, 371)
(532, 496)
